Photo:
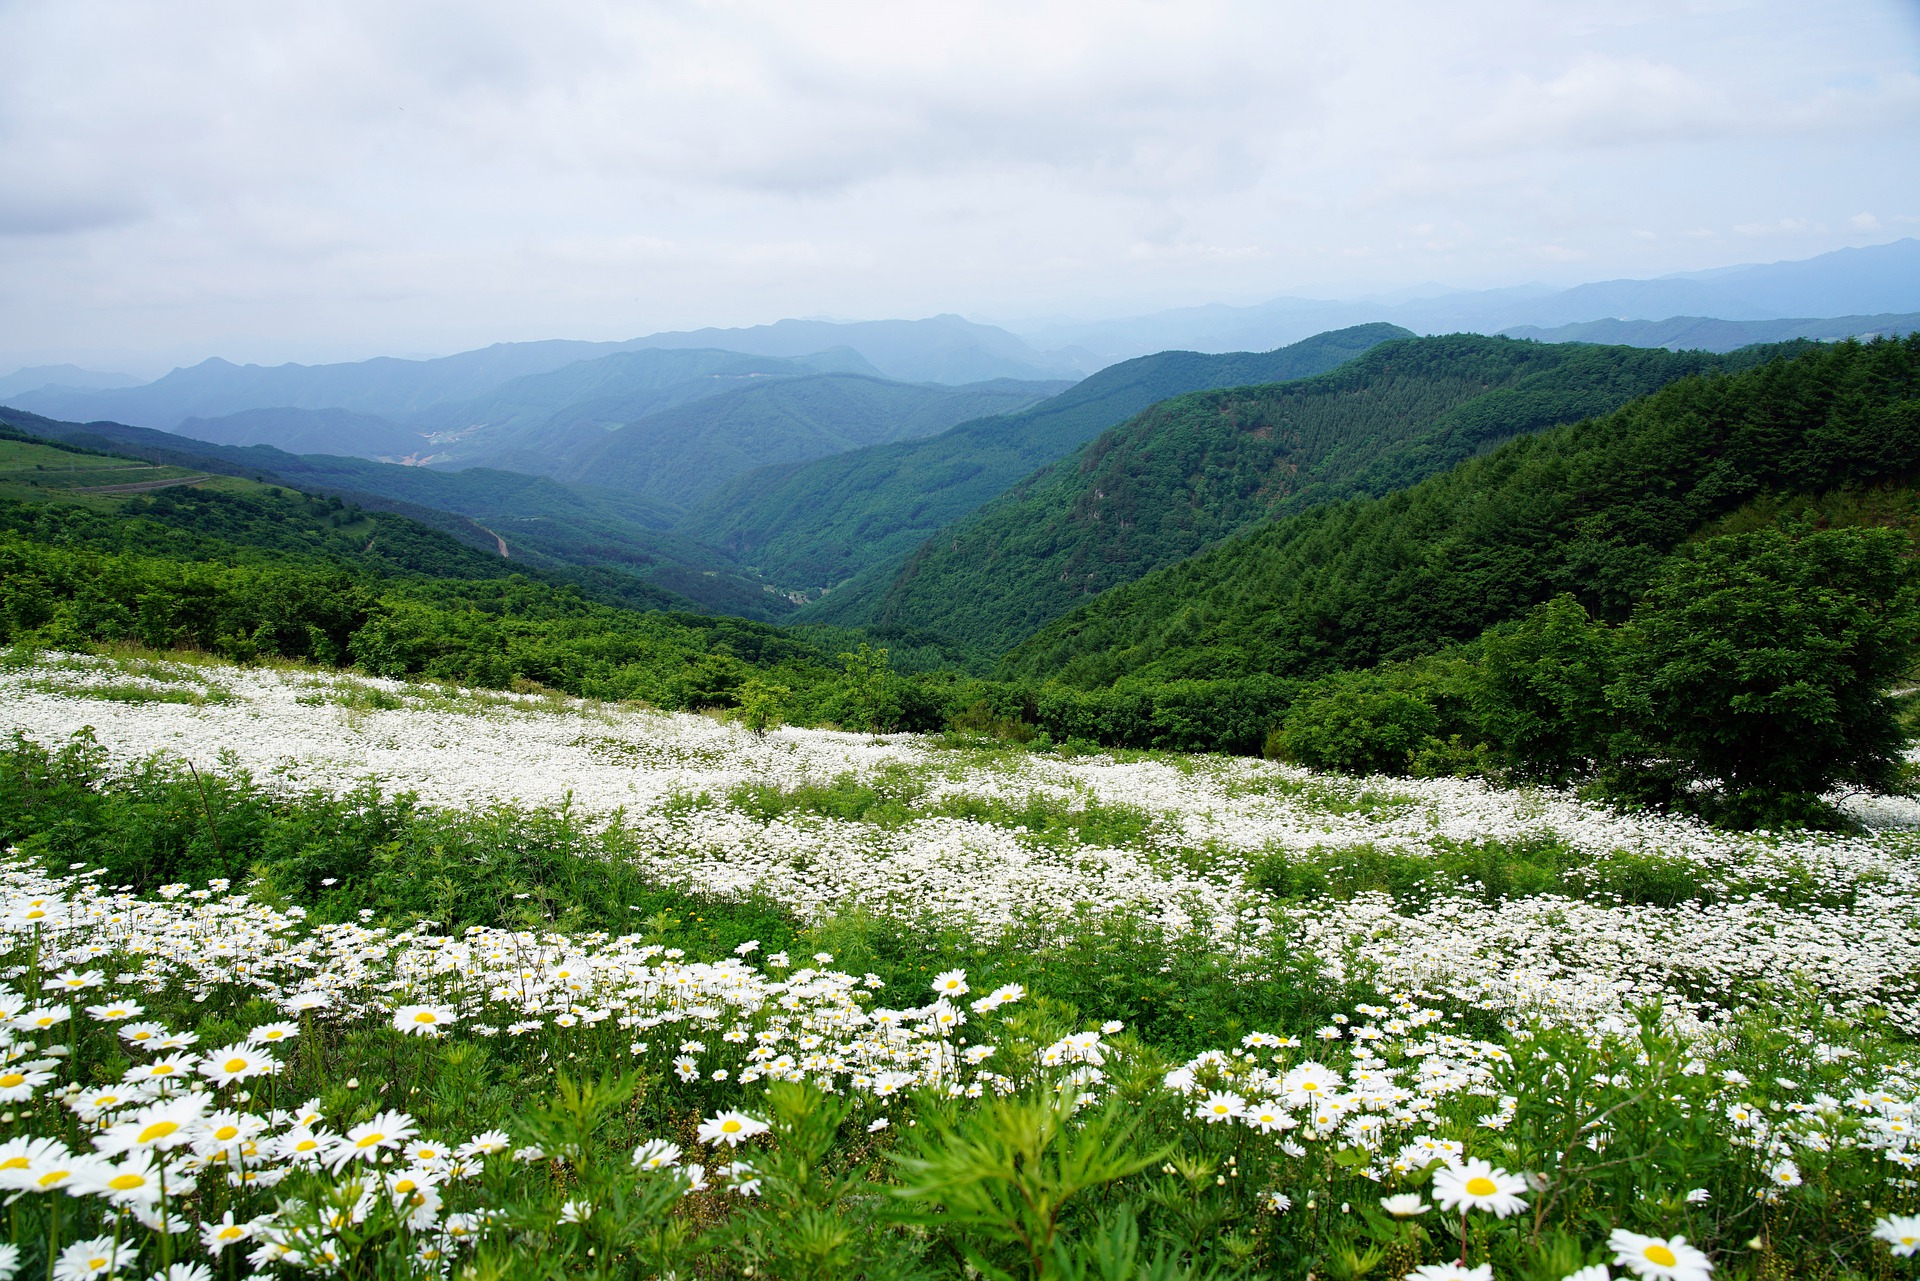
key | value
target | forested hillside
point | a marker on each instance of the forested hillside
(680, 455)
(1198, 468)
(609, 543)
(1591, 509)
(821, 523)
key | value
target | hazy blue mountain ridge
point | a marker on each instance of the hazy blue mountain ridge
(1847, 282)
(1706, 333)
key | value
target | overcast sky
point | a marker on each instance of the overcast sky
(330, 181)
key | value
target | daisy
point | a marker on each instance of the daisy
(365, 1141)
(142, 1033)
(1266, 1118)
(1220, 1107)
(135, 1181)
(97, 1256)
(41, 1165)
(951, 983)
(166, 1124)
(18, 1087)
(269, 1033)
(485, 1144)
(1451, 1272)
(1476, 1185)
(218, 1236)
(1658, 1259)
(1308, 1083)
(42, 1018)
(236, 1062)
(114, 1011)
(172, 1067)
(1901, 1232)
(656, 1154)
(1404, 1205)
(71, 981)
(228, 1131)
(300, 1145)
(731, 1128)
(422, 1020)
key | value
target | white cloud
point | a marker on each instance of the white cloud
(362, 176)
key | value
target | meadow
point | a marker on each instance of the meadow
(308, 971)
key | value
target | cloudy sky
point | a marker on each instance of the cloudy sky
(271, 182)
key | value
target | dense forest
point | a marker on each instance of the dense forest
(1198, 468)
(821, 523)
(1589, 509)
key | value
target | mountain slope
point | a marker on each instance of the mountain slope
(307, 431)
(1201, 467)
(822, 523)
(1589, 508)
(680, 455)
(609, 544)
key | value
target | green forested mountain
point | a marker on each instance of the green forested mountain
(681, 455)
(607, 547)
(1198, 468)
(1590, 509)
(821, 523)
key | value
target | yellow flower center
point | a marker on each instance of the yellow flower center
(226, 1132)
(53, 1178)
(232, 1232)
(306, 1145)
(729, 1127)
(12, 1079)
(161, 1069)
(1481, 1186)
(1309, 1085)
(370, 1140)
(425, 1016)
(14, 1163)
(1659, 1254)
(96, 1262)
(157, 1131)
(234, 1065)
(127, 1182)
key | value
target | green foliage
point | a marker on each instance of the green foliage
(1590, 509)
(999, 1178)
(1197, 468)
(1542, 690)
(1754, 677)
(1759, 665)
(822, 523)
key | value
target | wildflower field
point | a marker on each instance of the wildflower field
(303, 972)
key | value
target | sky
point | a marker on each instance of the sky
(322, 182)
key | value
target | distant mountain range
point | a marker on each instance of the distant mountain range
(942, 349)
(1704, 333)
(1854, 283)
